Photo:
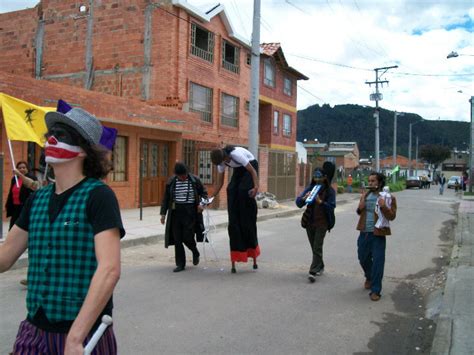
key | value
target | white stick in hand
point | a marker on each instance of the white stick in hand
(106, 321)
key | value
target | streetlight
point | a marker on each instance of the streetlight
(455, 54)
(409, 147)
(394, 163)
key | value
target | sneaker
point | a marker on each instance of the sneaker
(311, 278)
(367, 284)
(320, 272)
(374, 296)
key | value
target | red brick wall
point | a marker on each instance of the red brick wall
(276, 93)
(124, 114)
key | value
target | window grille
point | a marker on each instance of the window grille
(202, 43)
(269, 78)
(200, 101)
(287, 86)
(276, 123)
(230, 110)
(286, 125)
(119, 160)
(230, 57)
(205, 167)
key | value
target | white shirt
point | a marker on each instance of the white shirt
(238, 157)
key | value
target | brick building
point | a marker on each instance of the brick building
(172, 78)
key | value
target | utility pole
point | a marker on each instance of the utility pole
(378, 97)
(409, 150)
(416, 157)
(394, 163)
(471, 157)
(255, 81)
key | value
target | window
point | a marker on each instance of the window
(286, 125)
(269, 78)
(202, 43)
(249, 59)
(189, 152)
(200, 101)
(230, 110)
(205, 167)
(247, 105)
(230, 57)
(276, 119)
(287, 86)
(119, 160)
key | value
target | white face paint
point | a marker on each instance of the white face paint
(57, 152)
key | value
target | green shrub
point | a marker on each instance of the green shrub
(340, 189)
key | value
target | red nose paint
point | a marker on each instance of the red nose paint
(52, 140)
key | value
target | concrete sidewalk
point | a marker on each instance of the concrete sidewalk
(455, 325)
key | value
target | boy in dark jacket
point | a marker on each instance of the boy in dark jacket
(319, 215)
(182, 199)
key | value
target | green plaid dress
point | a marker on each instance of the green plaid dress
(61, 255)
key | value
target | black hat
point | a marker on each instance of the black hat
(329, 169)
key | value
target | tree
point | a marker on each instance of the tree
(434, 154)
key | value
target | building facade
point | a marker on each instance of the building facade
(184, 65)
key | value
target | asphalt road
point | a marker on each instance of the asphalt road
(274, 310)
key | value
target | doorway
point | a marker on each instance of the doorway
(155, 170)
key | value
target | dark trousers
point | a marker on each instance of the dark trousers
(16, 211)
(316, 240)
(371, 253)
(182, 225)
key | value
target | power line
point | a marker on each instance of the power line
(310, 93)
(329, 63)
(366, 69)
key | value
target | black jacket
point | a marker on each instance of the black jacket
(168, 203)
(24, 194)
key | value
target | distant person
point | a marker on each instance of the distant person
(181, 203)
(19, 193)
(371, 242)
(464, 180)
(318, 217)
(456, 185)
(241, 203)
(349, 183)
(428, 181)
(442, 182)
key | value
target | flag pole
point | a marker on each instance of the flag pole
(45, 174)
(13, 161)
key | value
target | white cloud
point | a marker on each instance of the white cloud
(416, 35)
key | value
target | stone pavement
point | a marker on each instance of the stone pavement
(455, 325)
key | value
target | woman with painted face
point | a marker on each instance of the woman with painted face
(72, 229)
(19, 193)
(318, 218)
(371, 242)
(241, 204)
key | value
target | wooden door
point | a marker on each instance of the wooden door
(155, 170)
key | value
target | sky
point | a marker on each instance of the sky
(338, 43)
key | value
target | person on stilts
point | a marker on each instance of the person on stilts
(241, 203)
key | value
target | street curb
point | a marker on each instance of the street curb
(454, 324)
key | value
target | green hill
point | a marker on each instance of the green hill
(356, 123)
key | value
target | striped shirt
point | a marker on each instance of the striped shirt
(183, 191)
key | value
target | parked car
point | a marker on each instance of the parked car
(413, 181)
(452, 182)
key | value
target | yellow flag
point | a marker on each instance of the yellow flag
(24, 121)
